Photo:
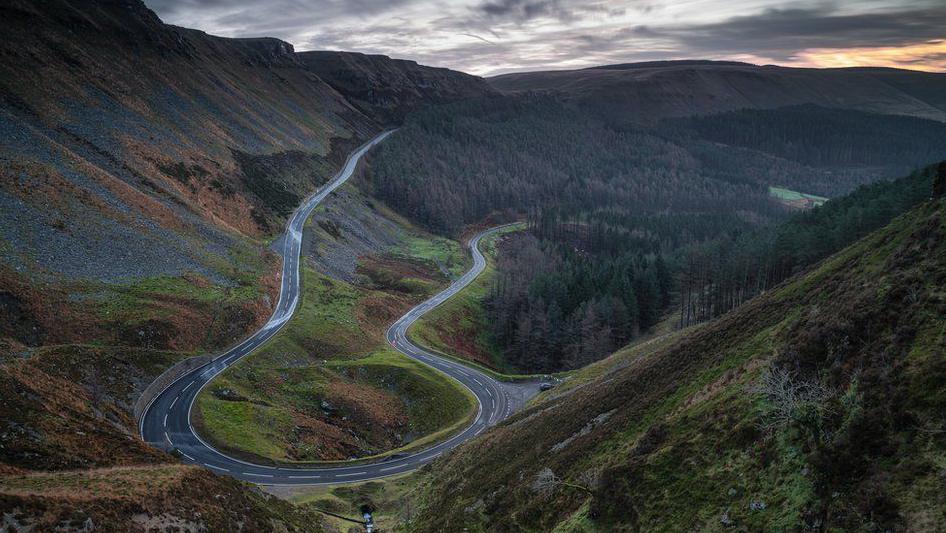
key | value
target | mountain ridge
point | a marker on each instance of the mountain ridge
(652, 91)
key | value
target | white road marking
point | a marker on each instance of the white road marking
(216, 467)
(165, 420)
(391, 468)
(305, 477)
(188, 457)
(173, 402)
(188, 386)
(258, 475)
(352, 474)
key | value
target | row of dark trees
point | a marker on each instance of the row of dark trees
(555, 307)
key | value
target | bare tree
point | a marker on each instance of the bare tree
(805, 403)
(547, 482)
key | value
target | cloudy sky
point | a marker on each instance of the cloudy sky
(494, 36)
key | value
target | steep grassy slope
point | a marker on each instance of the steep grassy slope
(647, 91)
(131, 151)
(143, 166)
(816, 405)
(158, 498)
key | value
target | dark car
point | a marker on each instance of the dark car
(545, 386)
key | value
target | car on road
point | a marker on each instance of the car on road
(545, 386)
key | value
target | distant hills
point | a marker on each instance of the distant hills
(652, 90)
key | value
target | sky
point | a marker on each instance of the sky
(488, 37)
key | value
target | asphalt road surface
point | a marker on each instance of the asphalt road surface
(166, 422)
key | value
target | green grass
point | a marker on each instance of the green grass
(459, 327)
(244, 426)
(788, 195)
(120, 307)
(332, 346)
(446, 254)
(389, 498)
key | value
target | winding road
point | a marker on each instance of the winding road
(166, 421)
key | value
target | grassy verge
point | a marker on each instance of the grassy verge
(458, 329)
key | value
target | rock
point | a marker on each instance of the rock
(228, 394)
(756, 506)
(725, 520)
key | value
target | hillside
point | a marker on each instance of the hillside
(144, 171)
(144, 168)
(815, 405)
(648, 91)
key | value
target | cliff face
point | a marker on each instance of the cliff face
(390, 88)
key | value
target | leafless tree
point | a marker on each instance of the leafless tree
(792, 400)
(547, 482)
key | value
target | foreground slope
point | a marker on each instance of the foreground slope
(154, 498)
(816, 405)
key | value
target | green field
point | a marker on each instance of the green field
(795, 198)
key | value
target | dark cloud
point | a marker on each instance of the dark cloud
(519, 11)
(275, 18)
(780, 33)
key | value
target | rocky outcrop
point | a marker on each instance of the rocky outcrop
(390, 88)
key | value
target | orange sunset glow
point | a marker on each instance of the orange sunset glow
(928, 56)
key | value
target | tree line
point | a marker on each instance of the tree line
(717, 275)
(556, 307)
